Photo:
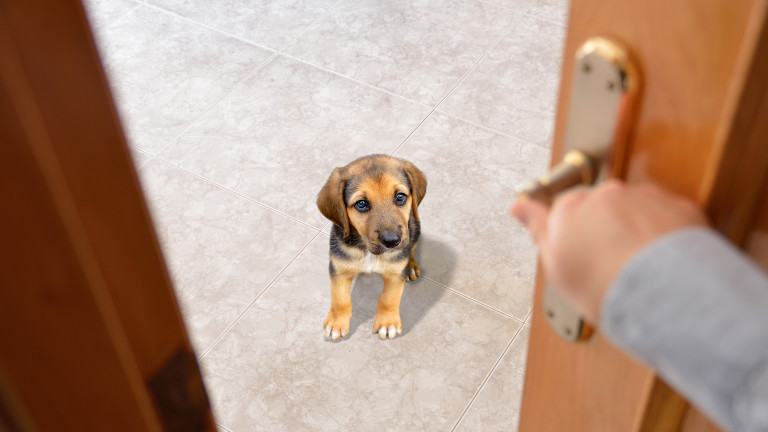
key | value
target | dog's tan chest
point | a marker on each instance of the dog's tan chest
(359, 261)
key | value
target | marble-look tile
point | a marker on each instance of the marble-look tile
(553, 10)
(418, 49)
(514, 88)
(274, 371)
(327, 228)
(165, 72)
(529, 318)
(102, 13)
(272, 23)
(519, 5)
(472, 174)
(222, 249)
(277, 137)
(139, 157)
(497, 407)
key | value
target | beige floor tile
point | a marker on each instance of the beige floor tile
(272, 23)
(471, 244)
(274, 370)
(165, 72)
(415, 49)
(102, 13)
(514, 88)
(497, 407)
(139, 157)
(553, 10)
(519, 5)
(277, 137)
(222, 250)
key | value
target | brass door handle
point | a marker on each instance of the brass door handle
(575, 169)
(604, 87)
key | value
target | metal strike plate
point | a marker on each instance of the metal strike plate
(603, 90)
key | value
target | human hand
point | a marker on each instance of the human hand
(588, 235)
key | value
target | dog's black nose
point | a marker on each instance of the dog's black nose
(390, 240)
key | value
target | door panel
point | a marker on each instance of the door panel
(700, 64)
(91, 334)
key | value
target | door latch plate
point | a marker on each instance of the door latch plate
(604, 87)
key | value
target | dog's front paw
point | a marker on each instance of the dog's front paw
(336, 326)
(413, 272)
(387, 325)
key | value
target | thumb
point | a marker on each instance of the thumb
(533, 215)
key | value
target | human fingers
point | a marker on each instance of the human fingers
(533, 215)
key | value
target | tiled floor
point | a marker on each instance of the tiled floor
(237, 111)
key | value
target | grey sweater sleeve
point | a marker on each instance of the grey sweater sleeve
(695, 309)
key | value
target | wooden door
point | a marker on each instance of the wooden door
(701, 130)
(91, 338)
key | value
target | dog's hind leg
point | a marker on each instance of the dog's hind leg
(413, 268)
(337, 322)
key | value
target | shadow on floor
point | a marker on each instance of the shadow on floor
(419, 296)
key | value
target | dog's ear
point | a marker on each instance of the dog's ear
(418, 185)
(330, 200)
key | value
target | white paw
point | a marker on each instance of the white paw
(389, 332)
(335, 333)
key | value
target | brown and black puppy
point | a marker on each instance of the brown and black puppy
(372, 203)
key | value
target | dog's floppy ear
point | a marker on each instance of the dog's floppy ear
(418, 185)
(330, 200)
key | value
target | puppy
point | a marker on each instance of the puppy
(372, 203)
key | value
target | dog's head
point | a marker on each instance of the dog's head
(374, 195)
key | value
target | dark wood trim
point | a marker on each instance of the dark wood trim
(88, 313)
(737, 183)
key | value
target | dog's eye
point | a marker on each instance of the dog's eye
(400, 198)
(362, 206)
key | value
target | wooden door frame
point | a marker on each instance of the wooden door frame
(91, 332)
(727, 178)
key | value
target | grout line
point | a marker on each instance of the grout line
(275, 53)
(160, 158)
(281, 52)
(117, 20)
(485, 381)
(218, 425)
(228, 92)
(485, 54)
(301, 33)
(190, 20)
(466, 74)
(258, 296)
(491, 129)
(475, 300)
(418, 126)
(530, 312)
(132, 149)
(353, 79)
(238, 84)
(514, 9)
(545, 19)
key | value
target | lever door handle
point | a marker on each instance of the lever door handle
(575, 169)
(604, 90)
